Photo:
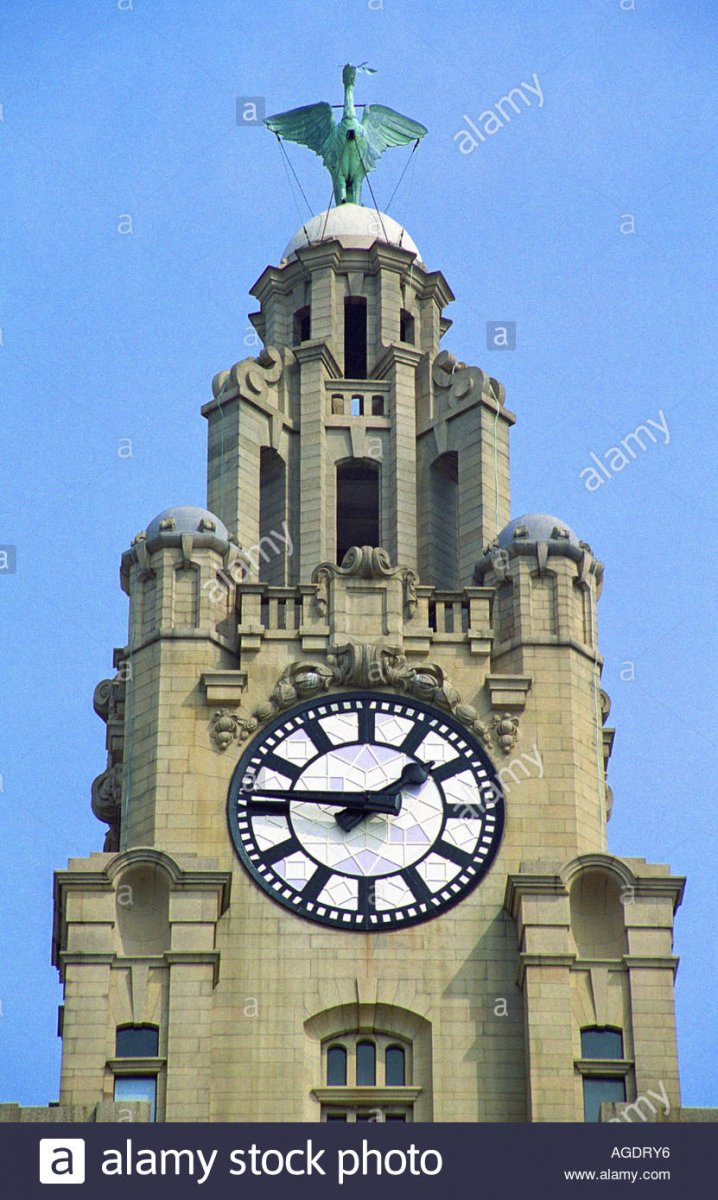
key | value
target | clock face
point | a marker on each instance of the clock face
(402, 812)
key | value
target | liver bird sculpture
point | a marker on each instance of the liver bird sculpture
(351, 148)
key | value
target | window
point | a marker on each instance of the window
(603, 1067)
(444, 520)
(367, 1079)
(302, 325)
(357, 406)
(377, 406)
(596, 1089)
(366, 1064)
(336, 1066)
(272, 549)
(406, 327)
(601, 1043)
(138, 1087)
(137, 1041)
(355, 338)
(357, 505)
(395, 1066)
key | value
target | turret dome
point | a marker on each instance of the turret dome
(356, 227)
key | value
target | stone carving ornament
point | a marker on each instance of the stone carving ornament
(364, 562)
(461, 383)
(363, 665)
(252, 376)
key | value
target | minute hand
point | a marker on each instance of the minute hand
(385, 802)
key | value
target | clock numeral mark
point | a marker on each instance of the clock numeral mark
(281, 850)
(275, 762)
(322, 743)
(453, 767)
(366, 895)
(258, 807)
(316, 883)
(453, 853)
(366, 724)
(416, 884)
(414, 738)
(467, 812)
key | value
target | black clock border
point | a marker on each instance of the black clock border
(329, 922)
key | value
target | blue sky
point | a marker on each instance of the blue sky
(588, 219)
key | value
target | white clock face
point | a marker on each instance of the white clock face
(402, 812)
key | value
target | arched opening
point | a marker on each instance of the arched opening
(355, 337)
(597, 917)
(142, 902)
(444, 483)
(357, 505)
(366, 1064)
(395, 1066)
(272, 549)
(336, 1066)
(302, 325)
(406, 327)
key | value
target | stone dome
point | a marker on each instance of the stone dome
(537, 534)
(537, 527)
(206, 529)
(355, 226)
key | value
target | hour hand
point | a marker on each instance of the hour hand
(414, 773)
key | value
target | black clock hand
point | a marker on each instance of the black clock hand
(413, 773)
(386, 801)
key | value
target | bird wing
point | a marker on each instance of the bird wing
(384, 127)
(312, 126)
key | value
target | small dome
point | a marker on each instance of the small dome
(206, 529)
(537, 527)
(356, 227)
(539, 535)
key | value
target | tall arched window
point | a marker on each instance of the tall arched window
(272, 549)
(406, 327)
(366, 1064)
(336, 1066)
(395, 1066)
(357, 505)
(302, 325)
(355, 338)
(444, 480)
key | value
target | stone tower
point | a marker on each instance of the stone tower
(436, 932)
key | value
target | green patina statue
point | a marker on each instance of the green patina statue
(351, 148)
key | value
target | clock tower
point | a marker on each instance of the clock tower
(356, 864)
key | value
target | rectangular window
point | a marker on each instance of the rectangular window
(137, 1041)
(355, 338)
(138, 1087)
(601, 1043)
(596, 1089)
